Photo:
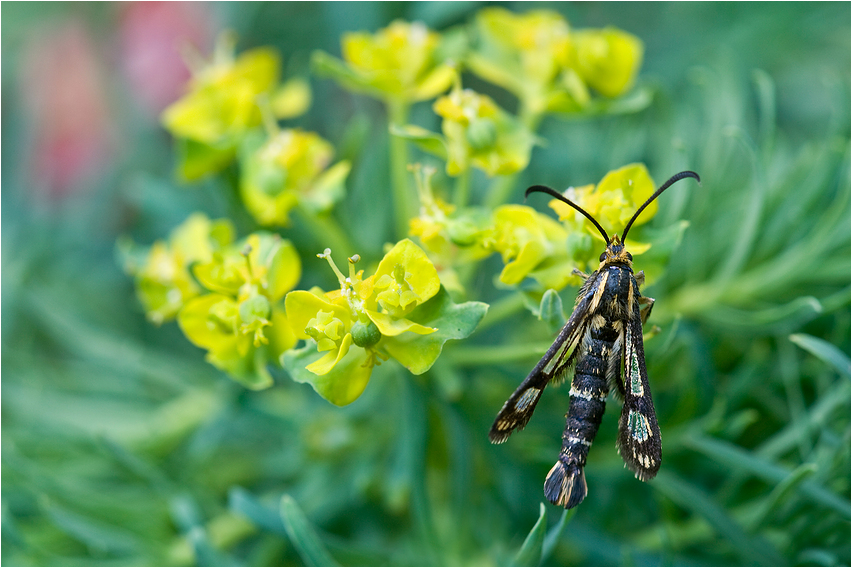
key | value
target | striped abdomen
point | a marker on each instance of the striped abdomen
(566, 483)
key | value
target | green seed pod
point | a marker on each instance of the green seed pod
(365, 334)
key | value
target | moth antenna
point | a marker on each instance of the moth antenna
(665, 186)
(552, 192)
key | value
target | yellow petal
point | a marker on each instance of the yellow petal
(391, 327)
(326, 363)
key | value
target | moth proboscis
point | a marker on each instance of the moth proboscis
(602, 341)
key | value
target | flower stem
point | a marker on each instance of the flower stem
(326, 230)
(505, 307)
(476, 355)
(500, 190)
(402, 196)
(462, 192)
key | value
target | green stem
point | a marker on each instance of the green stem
(402, 196)
(326, 230)
(461, 196)
(503, 308)
(493, 354)
(501, 190)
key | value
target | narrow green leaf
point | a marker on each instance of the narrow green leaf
(303, 535)
(530, 553)
(753, 551)
(738, 458)
(553, 535)
(244, 503)
(781, 491)
(825, 351)
(426, 140)
(637, 100)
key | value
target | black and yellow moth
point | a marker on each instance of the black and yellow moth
(602, 340)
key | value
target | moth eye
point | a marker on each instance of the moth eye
(603, 256)
(629, 257)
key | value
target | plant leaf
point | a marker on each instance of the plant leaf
(426, 140)
(303, 535)
(823, 350)
(530, 552)
(454, 321)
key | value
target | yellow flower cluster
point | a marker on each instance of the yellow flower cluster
(533, 244)
(359, 323)
(397, 63)
(548, 66)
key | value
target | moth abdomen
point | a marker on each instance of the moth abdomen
(566, 484)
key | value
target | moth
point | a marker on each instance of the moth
(602, 342)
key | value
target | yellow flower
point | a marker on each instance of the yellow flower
(163, 281)
(221, 105)
(399, 62)
(608, 59)
(528, 242)
(549, 67)
(528, 54)
(371, 319)
(612, 202)
(481, 134)
(240, 321)
(289, 167)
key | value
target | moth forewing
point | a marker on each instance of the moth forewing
(639, 441)
(519, 407)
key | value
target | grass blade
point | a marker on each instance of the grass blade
(822, 349)
(530, 553)
(303, 535)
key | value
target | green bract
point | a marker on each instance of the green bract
(240, 321)
(397, 312)
(286, 168)
(163, 281)
(531, 244)
(398, 62)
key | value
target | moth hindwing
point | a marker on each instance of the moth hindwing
(602, 340)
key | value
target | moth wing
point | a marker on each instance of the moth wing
(518, 409)
(639, 440)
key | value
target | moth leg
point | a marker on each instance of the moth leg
(582, 275)
(645, 311)
(640, 278)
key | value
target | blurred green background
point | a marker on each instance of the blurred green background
(120, 445)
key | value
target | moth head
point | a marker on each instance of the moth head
(615, 251)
